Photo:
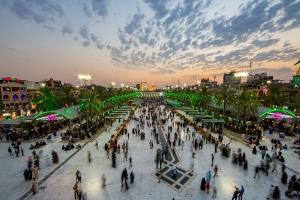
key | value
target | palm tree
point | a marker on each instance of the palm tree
(67, 96)
(249, 104)
(274, 96)
(227, 96)
(46, 100)
(90, 104)
(295, 103)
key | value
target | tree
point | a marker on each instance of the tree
(274, 96)
(295, 103)
(67, 97)
(249, 104)
(227, 96)
(46, 100)
(90, 104)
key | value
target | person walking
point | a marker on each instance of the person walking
(256, 172)
(241, 193)
(78, 176)
(216, 171)
(130, 162)
(124, 178)
(212, 159)
(235, 194)
(76, 189)
(89, 157)
(214, 192)
(103, 181)
(22, 151)
(131, 177)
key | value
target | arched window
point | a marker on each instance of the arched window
(23, 97)
(15, 97)
(6, 97)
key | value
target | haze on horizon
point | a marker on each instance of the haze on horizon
(159, 41)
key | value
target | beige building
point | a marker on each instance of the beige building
(14, 97)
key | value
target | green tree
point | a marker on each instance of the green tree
(46, 100)
(90, 104)
(295, 102)
(249, 104)
(227, 96)
(67, 97)
(274, 96)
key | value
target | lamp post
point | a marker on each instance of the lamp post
(85, 78)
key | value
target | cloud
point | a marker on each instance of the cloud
(159, 7)
(38, 11)
(84, 32)
(86, 43)
(67, 30)
(163, 71)
(95, 7)
(135, 23)
(265, 43)
(181, 36)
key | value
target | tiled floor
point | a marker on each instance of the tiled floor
(59, 185)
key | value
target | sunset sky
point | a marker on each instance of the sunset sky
(158, 41)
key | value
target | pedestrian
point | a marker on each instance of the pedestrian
(22, 151)
(203, 184)
(235, 194)
(174, 172)
(10, 151)
(103, 181)
(214, 192)
(131, 177)
(212, 159)
(130, 162)
(241, 193)
(34, 187)
(192, 163)
(35, 173)
(208, 176)
(274, 168)
(78, 176)
(216, 171)
(256, 172)
(97, 146)
(76, 188)
(124, 178)
(89, 156)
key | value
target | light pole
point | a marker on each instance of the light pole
(85, 78)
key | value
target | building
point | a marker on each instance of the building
(259, 79)
(53, 83)
(230, 79)
(14, 96)
(205, 82)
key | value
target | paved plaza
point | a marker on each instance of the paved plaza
(60, 184)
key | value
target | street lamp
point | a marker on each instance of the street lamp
(184, 85)
(84, 78)
(122, 85)
(113, 83)
(198, 82)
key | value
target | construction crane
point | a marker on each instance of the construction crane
(297, 70)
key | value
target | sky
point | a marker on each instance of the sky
(158, 41)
